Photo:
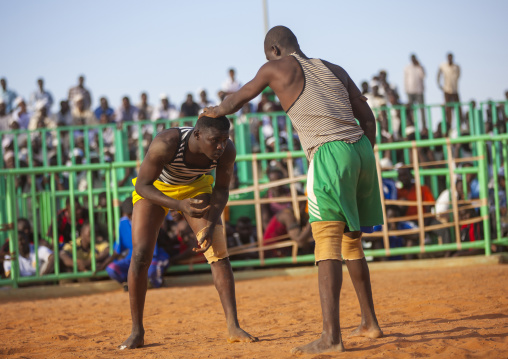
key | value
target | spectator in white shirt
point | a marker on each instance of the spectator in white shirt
(21, 114)
(41, 95)
(231, 85)
(80, 91)
(450, 87)
(165, 110)
(145, 109)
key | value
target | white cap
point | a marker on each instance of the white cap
(18, 100)
(8, 155)
(78, 97)
(163, 96)
(6, 141)
(40, 104)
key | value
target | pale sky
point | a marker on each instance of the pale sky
(176, 47)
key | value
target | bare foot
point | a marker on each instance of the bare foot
(240, 335)
(133, 342)
(318, 346)
(372, 332)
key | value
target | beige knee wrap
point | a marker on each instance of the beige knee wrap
(328, 238)
(352, 247)
(332, 243)
(218, 249)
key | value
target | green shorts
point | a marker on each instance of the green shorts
(342, 185)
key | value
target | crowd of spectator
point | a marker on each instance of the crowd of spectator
(279, 220)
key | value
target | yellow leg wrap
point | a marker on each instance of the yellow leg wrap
(352, 247)
(328, 238)
(218, 249)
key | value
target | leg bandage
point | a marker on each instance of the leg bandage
(218, 249)
(328, 238)
(332, 243)
(352, 247)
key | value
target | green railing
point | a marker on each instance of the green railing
(41, 206)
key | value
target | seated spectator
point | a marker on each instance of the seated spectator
(189, 108)
(244, 234)
(126, 112)
(104, 109)
(27, 257)
(40, 119)
(21, 115)
(84, 252)
(41, 95)
(81, 115)
(63, 117)
(285, 223)
(64, 222)
(408, 192)
(117, 266)
(266, 105)
(144, 108)
(165, 111)
(472, 182)
(271, 209)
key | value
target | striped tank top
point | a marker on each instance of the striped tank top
(322, 113)
(179, 172)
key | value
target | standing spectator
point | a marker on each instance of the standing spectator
(203, 100)
(7, 95)
(231, 85)
(41, 95)
(4, 116)
(144, 108)
(21, 114)
(450, 87)
(166, 110)
(189, 107)
(126, 112)
(63, 117)
(414, 75)
(104, 109)
(78, 90)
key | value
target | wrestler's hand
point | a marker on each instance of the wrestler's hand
(191, 208)
(210, 112)
(205, 241)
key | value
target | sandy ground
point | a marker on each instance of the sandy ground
(441, 313)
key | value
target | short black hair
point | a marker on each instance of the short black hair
(127, 206)
(282, 37)
(220, 123)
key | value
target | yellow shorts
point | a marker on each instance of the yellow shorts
(202, 185)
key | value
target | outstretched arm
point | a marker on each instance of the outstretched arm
(236, 100)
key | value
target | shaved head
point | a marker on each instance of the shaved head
(281, 37)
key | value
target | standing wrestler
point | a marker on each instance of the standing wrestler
(174, 175)
(343, 194)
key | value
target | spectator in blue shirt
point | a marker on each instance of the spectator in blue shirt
(104, 109)
(117, 268)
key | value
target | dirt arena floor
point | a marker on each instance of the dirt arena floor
(437, 313)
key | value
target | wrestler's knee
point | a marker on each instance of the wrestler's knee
(141, 258)
(328, 238)
(352, 246)
(218, 250)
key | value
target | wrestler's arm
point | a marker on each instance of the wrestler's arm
(220, 193)
(236, 100)
(161, 151)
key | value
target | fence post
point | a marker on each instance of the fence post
(484, 194)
